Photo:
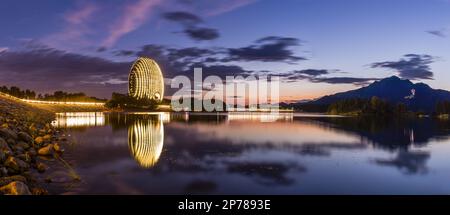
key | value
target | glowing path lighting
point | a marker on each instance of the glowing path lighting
(145, 80)
(63, 103)
(145, 140)
(53, 102)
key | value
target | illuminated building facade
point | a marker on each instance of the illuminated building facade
(146, 80)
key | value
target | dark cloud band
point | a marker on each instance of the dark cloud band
(411, 66)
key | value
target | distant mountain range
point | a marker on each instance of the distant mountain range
(418, 97)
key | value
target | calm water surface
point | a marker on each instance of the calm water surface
(243, 153)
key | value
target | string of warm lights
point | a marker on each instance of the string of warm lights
(63, 103)
(52, 102)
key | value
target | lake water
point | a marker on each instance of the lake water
(255, 153)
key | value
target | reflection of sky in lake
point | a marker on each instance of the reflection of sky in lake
(241, 155)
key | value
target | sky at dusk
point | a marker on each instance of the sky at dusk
(317, 47)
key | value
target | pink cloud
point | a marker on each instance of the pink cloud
(3, 49)
(79, 31)
(228, 6)
(133, 17)
(79, 17)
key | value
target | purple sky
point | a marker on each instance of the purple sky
(318, 46)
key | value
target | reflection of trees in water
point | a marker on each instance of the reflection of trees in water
(411, 162)
(124, 120)
(388, 133)
(325, 148)
(393, 134)
(145, 139)
(200, 156)
(268, 173)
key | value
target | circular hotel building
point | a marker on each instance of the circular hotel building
(146, 80)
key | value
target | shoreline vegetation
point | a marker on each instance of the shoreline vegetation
(356, 107)
(376, 107)
(57, 96)
(29, 146)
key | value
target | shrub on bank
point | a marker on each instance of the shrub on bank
(123, 101)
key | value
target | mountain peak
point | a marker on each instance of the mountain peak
(394, 80)
(394, 77)
(394, 90)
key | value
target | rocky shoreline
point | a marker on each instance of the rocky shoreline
(27, 141)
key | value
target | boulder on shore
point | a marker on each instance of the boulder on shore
(15, 188)
(46, 150)
(6, 180)
(16, 164)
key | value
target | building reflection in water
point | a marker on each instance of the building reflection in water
(145, 130)
(161, 116)
(79, 119)
(146, 138)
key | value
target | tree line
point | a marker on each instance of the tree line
(378, 106)
(17, 92)
(124, 101)
(372, 106)
(56, 96)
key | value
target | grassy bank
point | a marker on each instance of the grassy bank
(28, 142)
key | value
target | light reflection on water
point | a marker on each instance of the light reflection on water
(243, 153)
(80, 119)
(146, 139)
(267, 117)
(146, 135)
